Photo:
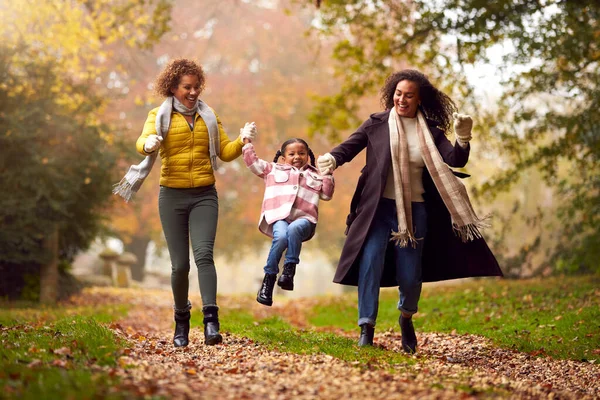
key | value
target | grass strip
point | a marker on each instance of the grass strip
(278, 335)
(558, 316)
(57, 357)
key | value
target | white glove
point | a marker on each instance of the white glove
(462, 127)
(152, 143)
(326, 164)
(248, 131)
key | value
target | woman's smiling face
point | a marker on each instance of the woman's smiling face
(187, 91)
(406, 98)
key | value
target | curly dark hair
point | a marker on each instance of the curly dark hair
(285, 144)
(170, 77)
(435, 105)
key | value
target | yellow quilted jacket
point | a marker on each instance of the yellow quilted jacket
(184, 154)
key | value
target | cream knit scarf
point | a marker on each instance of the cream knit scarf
(465, 222)
(136, 174)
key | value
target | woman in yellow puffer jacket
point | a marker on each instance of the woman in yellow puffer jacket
(191, 141)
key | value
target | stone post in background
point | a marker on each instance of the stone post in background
(122, 278)
(109, 257)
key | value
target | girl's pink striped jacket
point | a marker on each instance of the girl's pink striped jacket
(290, 193)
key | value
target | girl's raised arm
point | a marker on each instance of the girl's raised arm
(255, 165)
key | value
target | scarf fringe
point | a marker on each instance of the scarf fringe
(404, 239)
(129, 185)
(472, 231)
(123, 189)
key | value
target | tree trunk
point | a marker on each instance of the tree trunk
(49, 271)
(138, 246)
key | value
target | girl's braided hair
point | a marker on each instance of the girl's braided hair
(285, 144)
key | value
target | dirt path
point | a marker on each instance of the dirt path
(447, 366)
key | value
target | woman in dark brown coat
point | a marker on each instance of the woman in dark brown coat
(410, 220)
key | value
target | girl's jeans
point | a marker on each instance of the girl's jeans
(288, 235)
(190, 214)
(408, 261)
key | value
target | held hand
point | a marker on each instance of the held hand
(248, 132)
(462, 127)
(326, 164)
(152, 143)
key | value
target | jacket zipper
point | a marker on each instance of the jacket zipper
(191, 153)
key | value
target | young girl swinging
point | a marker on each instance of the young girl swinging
(290, 207)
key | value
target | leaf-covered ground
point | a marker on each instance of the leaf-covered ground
(446, 365)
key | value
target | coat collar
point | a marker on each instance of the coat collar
(288, 166)
(383, 116)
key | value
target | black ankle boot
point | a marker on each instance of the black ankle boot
(367, 332)
(182, 329)
(409, 338)
(211, 325)
(286, 280)
(265, 293)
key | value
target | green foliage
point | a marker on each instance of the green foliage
(116, 20)
(55, 167)
(547, 115)
(31, 289)
(24, 312)
(555, 316)
(55, 383)
(52, 360)
(94, 342)
(60, 64)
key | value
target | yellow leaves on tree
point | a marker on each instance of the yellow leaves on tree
(75, 35)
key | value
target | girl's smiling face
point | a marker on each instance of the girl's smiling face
(296, 154)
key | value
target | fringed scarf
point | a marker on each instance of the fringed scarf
(465, 222)
(135, 176)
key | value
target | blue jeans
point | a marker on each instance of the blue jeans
(408, 261)
(288, 235)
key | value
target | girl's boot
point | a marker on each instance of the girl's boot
(211, 325)
(182, 328)
(286, 280)
(265, 293)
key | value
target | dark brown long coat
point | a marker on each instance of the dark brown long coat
(445, 256)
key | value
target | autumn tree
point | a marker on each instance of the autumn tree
(546, 116)
(54, 178)
(59, 153)
(253, 74)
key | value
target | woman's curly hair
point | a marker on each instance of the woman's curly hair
(170, 77)
(435, 105)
